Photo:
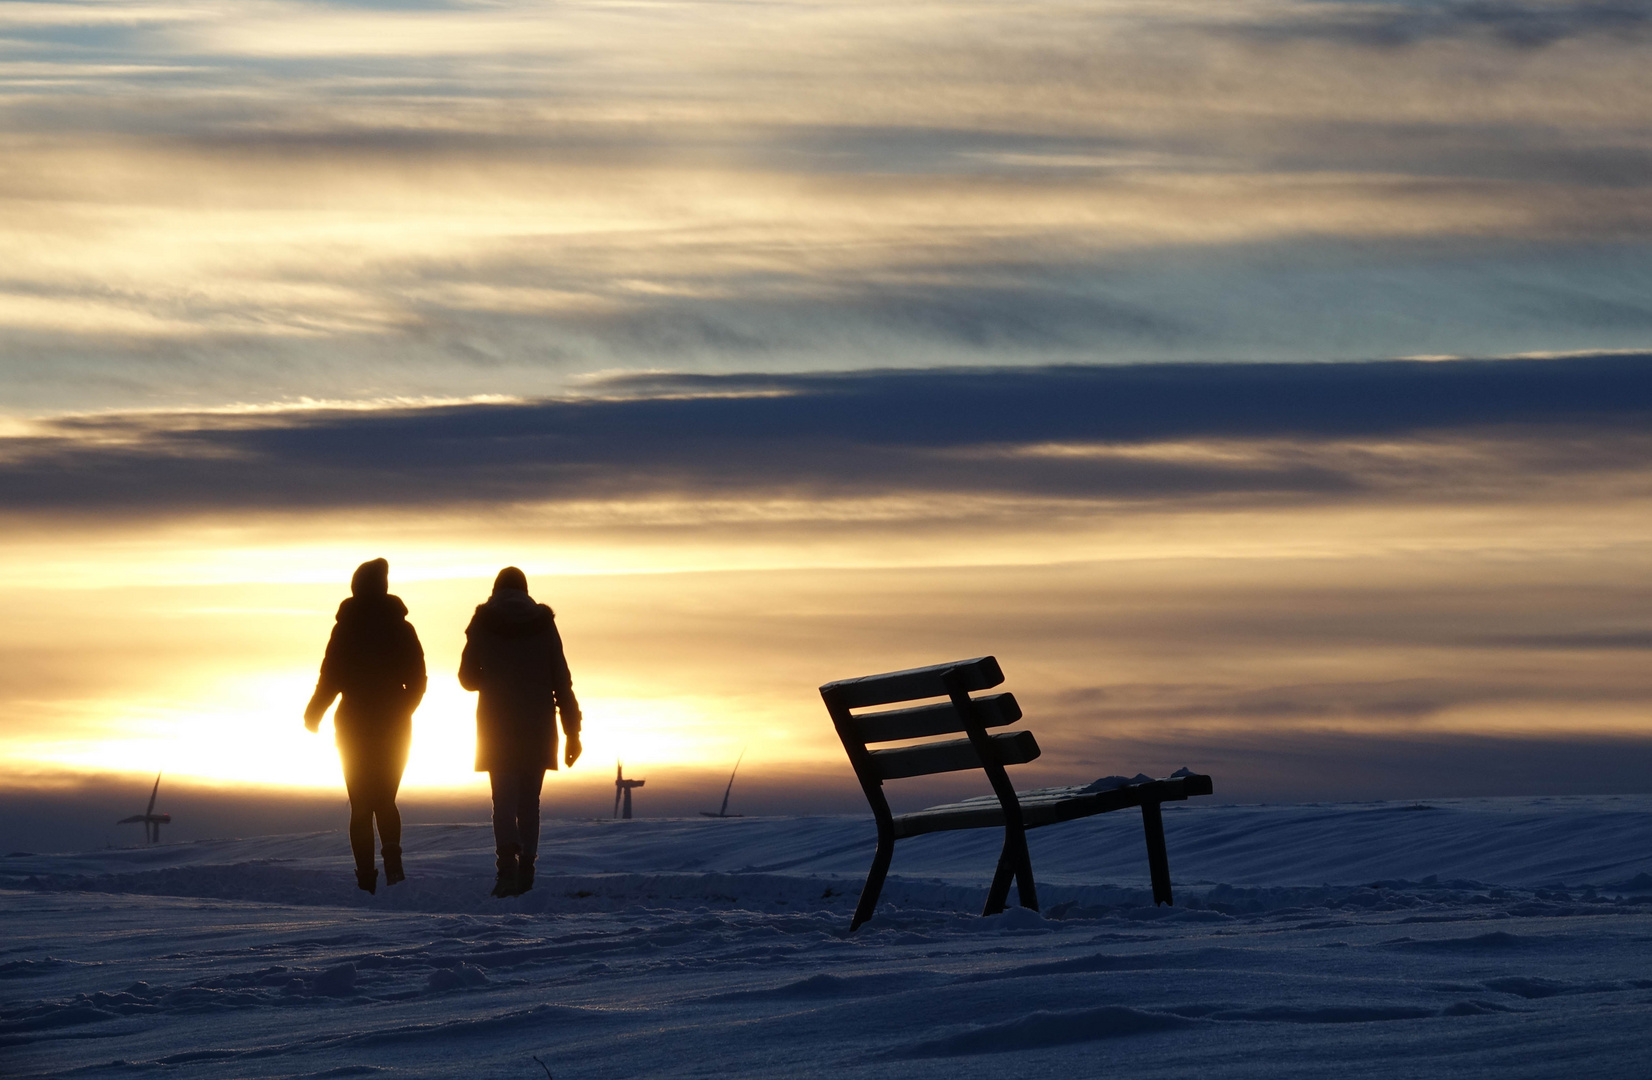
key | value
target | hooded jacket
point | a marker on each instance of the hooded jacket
(513, 657)
(375, 661)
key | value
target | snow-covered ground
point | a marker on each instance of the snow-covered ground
(1498, 937)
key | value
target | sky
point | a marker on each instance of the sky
(1266, 385)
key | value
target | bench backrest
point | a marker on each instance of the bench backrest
(960, 713)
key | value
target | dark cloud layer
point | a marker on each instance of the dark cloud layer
(1133, 403)
(965, 431)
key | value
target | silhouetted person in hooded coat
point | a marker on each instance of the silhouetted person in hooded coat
(375, 661)
(513, 657)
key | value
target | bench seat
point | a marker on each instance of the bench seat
(1050, 806)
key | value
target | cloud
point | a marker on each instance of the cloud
(1635, 640)
(256, 199)
(1390, 702)
(1393, 23)
(1168, 401)
(1133, 433)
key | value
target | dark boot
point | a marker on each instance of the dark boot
(524, 875)
(508, 865)
(367, 880)
(393, 866)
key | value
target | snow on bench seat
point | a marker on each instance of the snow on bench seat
(1051, 806)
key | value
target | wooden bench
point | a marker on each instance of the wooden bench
(1015, 811)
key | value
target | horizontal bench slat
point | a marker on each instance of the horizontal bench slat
(941, 718)
(981, 673)
(1049, 806)
(1014, 748)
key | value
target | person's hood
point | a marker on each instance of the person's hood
(387, 607)
(512, 613)
(371, 579)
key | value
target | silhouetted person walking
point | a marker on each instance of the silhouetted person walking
(513, 657)
(374, 660)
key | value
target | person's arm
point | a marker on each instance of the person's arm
(567, 705)
(415, 679)
(327, 686)
(571, 719)
(470, 662)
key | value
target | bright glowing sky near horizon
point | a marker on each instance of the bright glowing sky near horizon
(1266, 384)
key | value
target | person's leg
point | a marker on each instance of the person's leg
(390, 819)
(507, 840)
(527, 811)
(505, 833)
(361, 786)
(527, 825)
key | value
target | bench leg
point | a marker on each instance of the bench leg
(1023, 876)
(1158, 863)
(1000, 889)
(1014, 861)
(874, 881)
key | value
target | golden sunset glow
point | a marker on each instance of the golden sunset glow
(711, 636)
(784, 342)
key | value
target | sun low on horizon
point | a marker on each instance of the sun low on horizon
(220, 712)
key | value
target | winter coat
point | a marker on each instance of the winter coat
(513, 658)
(375, 661)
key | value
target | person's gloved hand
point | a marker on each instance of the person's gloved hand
(570, 754)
